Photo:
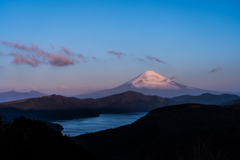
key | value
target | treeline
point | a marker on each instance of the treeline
(32, 139)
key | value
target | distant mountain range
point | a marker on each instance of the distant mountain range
(13, 95)
(231, 102)
(205, 98)
(60, 107)
(150, 83)
(125, 102)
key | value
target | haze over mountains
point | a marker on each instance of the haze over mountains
(13, 95)
(60, 107)
(150, 83)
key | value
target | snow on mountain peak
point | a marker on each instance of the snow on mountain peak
(153, 80)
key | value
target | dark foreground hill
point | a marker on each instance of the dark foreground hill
(188, 131)
(27, 139)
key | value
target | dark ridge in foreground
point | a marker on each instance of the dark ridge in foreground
(27, 139)
(187, 131)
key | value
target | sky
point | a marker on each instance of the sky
(73, 47)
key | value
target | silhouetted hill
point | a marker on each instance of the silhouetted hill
(187, 131)
(131, 101)
(52, 102)
(60, 107)
(54, 107)
(29, 139)
(13, 95)
(205, 98)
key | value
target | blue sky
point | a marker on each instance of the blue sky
(90, 45)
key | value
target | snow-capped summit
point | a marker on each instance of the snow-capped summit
(150, 83)
(153, 80)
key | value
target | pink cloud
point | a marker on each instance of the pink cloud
(116, 53)
(80, 56)
(34, 48)
(27, 59)
(140, 59)
(215, 69)
(94, 57)
(52, 46)
(67, 51)
(15, 45)
(41, 57)
(59, 60)
(34, 45)
(154, 58)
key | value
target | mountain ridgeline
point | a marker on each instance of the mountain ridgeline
(151, 83)
(56, 107)
(60, 107)
(13, 95)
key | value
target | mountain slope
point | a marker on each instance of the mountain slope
(231, 102)
(121, 102)
(59, 107)
(52, 107)
(13, 95)
(150, 83)
(52, 102)
(205, 98)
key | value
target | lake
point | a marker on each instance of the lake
(79, 126)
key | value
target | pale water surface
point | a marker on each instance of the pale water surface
(104, 121)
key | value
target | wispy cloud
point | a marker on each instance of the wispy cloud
(70, 53)
(154, 58)
(15, 45)
(1, 67)
(67, 51)
(39, 56)
(80, 55)
(174, 77)
(140, 59)
(94, 57)
(119, 54)
(215, 69)
(27, 59)
(52, 46)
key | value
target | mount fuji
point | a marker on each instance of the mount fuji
(150, 83)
